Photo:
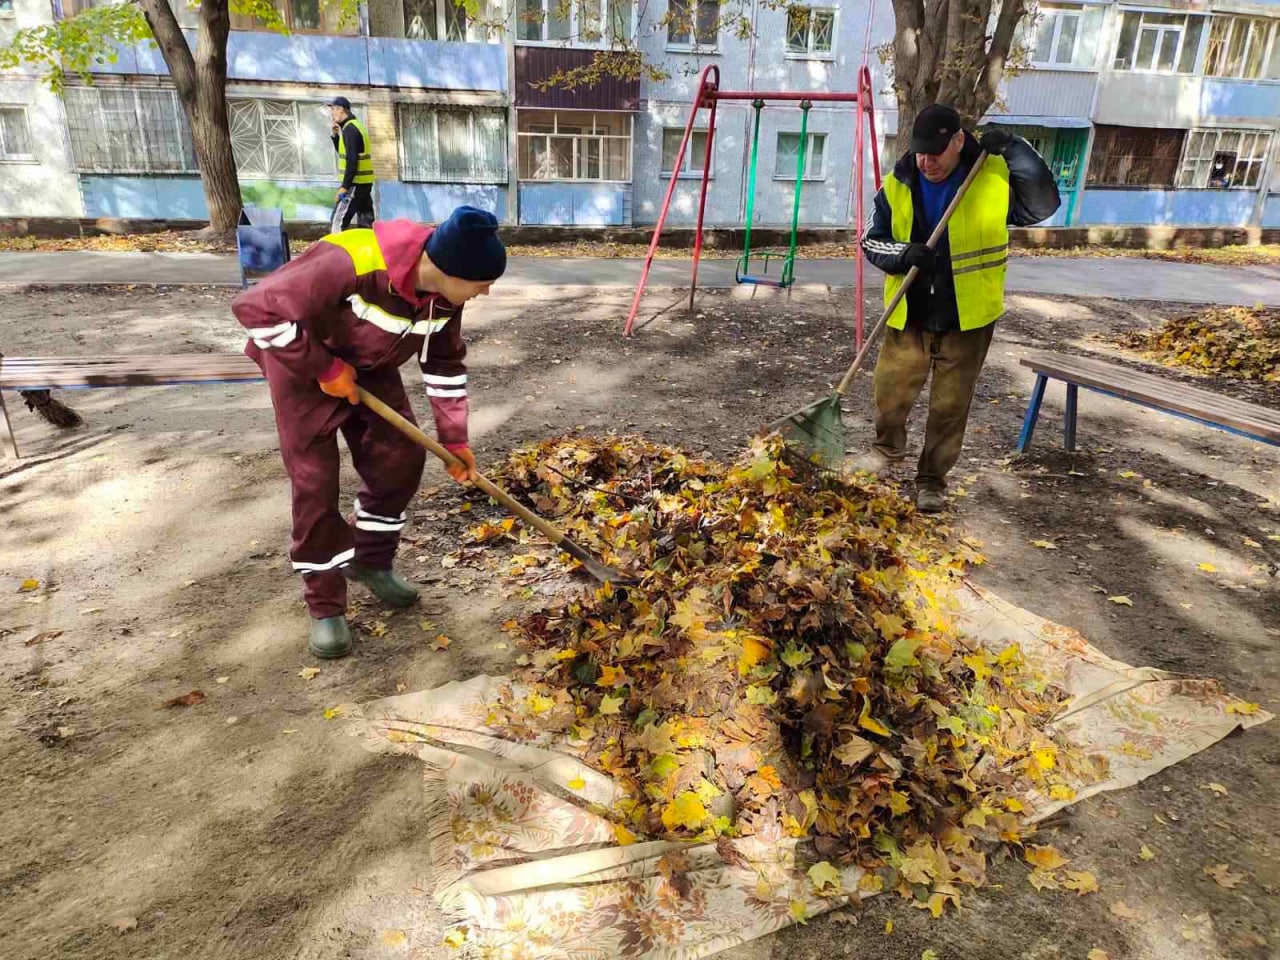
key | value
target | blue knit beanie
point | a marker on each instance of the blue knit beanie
(466, 246)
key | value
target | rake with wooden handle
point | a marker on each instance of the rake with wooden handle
(819, 427)
(592, 564)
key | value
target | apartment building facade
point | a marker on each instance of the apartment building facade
(1163, 113)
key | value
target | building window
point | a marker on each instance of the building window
(693, 24)
(1134, 157)
(1246, 48)
(574, 146)
(453, 144)
(543, 20)
(15, 135)
(282, 140)
(787, 156)
(1224, 159)
(1066, 36)
(1158, 42)
(128, 131)
(585, 21)
(303, 16)
(6, 8)
(694, 155)
(436, 20)
(811, 32)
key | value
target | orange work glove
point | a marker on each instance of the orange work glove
(464, 472)
(340, 381)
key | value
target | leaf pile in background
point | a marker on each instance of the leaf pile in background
(1228, 341)
(786, 668)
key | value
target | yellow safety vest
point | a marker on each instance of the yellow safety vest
(979, 238)
(364, 165)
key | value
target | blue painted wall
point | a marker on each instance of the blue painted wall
(348, 61)
(1188, 208)
(1240, 99)
(433, 202)
(143, 197)
(579, 204)
(1271, 212)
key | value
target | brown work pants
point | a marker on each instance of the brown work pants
(906, 357)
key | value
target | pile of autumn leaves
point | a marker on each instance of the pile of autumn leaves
(785, 667)
(1225, 341)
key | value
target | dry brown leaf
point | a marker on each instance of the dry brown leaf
(1124, 911)
(1223, 876)
(192, 699)
(42, 637)
(123, 925)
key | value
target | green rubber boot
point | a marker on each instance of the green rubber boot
(330, 638)
(386, 585)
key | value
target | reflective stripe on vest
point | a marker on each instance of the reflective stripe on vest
(364, 165)
(978, 234)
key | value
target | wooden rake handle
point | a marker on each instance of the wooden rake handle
(553, 533)
(910, 278)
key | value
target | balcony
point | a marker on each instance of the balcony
(1172, 100)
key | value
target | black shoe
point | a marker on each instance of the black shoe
(386, 585)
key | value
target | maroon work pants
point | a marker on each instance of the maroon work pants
(390, 468)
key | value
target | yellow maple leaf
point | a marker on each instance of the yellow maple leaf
(1044, 858)
(1121, 599)
(686, 810)
(823, 875)
(538, 703)
(1081, 881)
(333, 712)
(1060, 791)
(611, 676)
(577, 783)
(28, 585)
(1096, 954)
(1127, 474)
(1207, 567)
(868, 722)
(1243, 707)
(624, 836)
(1146, 853)
(1014, 805)
(456, 937)
(799, 912)
(309, 673)
(1043, 880)
(1044, 544)
(611, 705)
(753, 652)
(1046, 758)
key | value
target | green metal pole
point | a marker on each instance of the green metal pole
(789, 269)
(751, 186)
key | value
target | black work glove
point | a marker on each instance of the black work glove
(921, 256)
(995, 142)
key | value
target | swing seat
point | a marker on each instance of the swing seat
(740, 274)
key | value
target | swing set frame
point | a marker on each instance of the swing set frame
(708, 96)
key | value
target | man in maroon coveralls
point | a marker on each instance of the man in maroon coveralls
(353, 308)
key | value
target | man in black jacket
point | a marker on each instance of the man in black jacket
(946, 322)
(355, 163)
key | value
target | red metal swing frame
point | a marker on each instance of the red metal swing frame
(708, 96)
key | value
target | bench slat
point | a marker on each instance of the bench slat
(1158, 392)
(35, 373)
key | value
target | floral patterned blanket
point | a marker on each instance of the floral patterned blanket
(527, 868)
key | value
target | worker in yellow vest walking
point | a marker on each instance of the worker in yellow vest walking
(355, 163)
(945, 324)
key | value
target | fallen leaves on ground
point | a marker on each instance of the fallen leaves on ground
(1227, 341)
(1217, 788)
(124, 925)
(1044, 544)
(1081, 881)
(1096, 954)
(1121, 599)
(28, 585)
(1207, 567)
(42, 637)
(167, 241)
(1223, 876)
(1146, 853)
(785, 628)
(192, 699)
(441, 642)
(309, 673)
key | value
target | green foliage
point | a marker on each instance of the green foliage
(76, 44)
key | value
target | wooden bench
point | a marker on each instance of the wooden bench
(71, 373)
(1155, 393)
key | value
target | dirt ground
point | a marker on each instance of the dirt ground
(252, 826)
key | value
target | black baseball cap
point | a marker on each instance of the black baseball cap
(342, 102)
(935, 125)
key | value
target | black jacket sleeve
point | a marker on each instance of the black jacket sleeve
(1033, 192)
(877, 238)
(355, 146)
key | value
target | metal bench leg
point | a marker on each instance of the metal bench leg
(6, 432)
(1069, 420)
(1033, 412)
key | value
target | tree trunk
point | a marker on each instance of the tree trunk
(201, 84)
(948, 51)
